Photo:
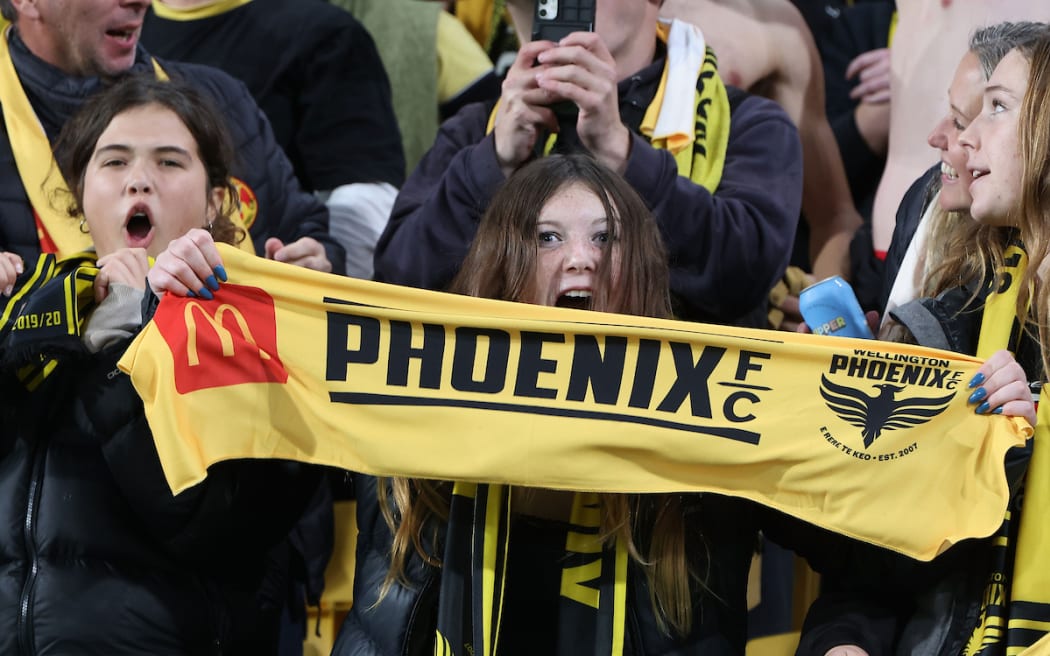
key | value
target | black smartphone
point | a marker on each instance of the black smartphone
(553, 20)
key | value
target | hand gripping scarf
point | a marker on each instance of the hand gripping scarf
(57, 232)
(1015, 610)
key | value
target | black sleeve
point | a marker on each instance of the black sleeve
(866, 269)
(726, 249)
(834, 620)
(853, 31)
(283, 209)
(17, 226)
(437, 211)
(859, 603)
(347, 131)
(241, 508)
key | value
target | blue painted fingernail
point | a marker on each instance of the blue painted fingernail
(212, 283)
(978, 394)
(205, 293)
(977, 379)
(221, 272)
(191, 294)
(998, 411)
(983, 408)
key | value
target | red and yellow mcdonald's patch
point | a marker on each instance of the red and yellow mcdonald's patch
(248, 207)
(224, 342)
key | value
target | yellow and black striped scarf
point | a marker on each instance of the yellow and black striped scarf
(593, 580)
(44, 317)
(1015, 609)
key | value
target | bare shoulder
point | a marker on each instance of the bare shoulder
(734, 32)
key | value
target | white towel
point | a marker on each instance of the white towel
(685, 55)
(908, 283)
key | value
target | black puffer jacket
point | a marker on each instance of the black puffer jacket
(284, 210)
(96, 555)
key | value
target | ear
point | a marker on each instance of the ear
(26, 8)
(216, 198)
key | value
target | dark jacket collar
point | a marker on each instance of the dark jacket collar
(636, 91)
(54, 94)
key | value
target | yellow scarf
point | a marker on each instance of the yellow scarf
(1029, 610)
(704, 162)
(1015, 613)
(390, 380)
(196, 13)
(39, 173)
(42, 320)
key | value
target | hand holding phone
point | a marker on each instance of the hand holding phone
(553, 20)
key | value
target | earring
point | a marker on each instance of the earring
(210, 225)
(84, 226)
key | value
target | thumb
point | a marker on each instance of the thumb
(101, 286)
(272, 245)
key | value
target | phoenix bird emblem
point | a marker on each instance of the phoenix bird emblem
(874, 414)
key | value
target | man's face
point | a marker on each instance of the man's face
(84, 37)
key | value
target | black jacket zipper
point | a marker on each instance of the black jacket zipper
(25, 619)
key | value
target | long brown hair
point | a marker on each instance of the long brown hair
(502, 258)
(500, 264)
(1033, 133)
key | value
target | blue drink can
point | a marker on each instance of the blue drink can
(830, 308)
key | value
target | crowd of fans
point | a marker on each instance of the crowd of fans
(703, 160)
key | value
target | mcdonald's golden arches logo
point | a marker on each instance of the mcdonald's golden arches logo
(230, 340)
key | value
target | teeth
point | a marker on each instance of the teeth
(977, 174)
(948, 171)
(577, 293)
